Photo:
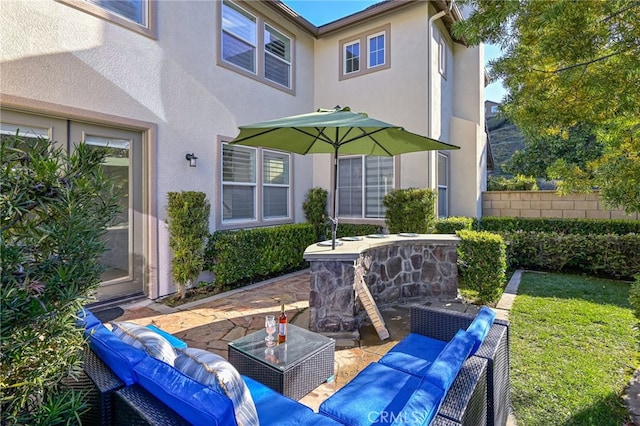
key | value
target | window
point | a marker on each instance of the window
(251, 176)
(442, 57)
(136, 15)
(240, 38)
(376, 50)
(277, 56)
(443, 185)
(275, 185)
(372, 46)
(352, 57)
(362, 184)
(494, 109)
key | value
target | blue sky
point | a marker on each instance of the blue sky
(320, 12)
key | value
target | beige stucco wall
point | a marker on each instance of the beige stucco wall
(400, 95)
(66, 59)
(548, 204)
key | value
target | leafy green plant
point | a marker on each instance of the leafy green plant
(253, 254)
(482, 263)
(188, 221)
(634, 296)
(450, 225)
(560, 225)
(410, 210)
(55, 208)
(356, 229)
(315, 210)
(517, 183)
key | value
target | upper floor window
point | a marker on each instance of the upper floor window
(255, 184)
(351, 57)
(363, 182)
(442, 57)
(241, 34)
(443, 185)
(376, 50)
(494, 109)
(136, 15)
(372, 46)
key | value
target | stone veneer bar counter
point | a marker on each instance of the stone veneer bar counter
(396, 269)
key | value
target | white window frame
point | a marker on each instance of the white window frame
(363, 188)
(146, 27)
(442, 57)
(346, 60)
(443, 186)
(363, 39)
(260, 51)
(384, 49)
(286, 185)
(259, 184)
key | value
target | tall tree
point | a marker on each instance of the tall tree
(569, 63)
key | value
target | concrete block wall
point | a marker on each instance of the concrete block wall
(548, 204)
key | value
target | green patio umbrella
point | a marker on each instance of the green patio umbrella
(335, 131)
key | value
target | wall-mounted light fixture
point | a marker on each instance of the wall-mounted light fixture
(191, 158)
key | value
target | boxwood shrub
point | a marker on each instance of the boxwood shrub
(482, 263)
(254, 254)
(560, 225)
(354, 230)
(450, 225)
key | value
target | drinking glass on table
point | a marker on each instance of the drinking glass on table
(270, 326)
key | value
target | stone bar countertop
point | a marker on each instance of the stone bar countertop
(350, 248)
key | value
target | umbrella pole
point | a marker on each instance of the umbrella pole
(334, 219)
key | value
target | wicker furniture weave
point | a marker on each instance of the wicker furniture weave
(293, 370)
(465, 403)
(442, 324)
(134, 406)
(99, 383)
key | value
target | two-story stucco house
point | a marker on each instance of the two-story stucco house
(157, 80)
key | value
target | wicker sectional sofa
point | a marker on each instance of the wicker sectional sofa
(127, 386)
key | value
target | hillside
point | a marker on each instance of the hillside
(505, 140)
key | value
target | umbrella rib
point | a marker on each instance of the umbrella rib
(381, 147)
(254, 136)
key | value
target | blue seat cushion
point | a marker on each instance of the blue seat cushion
(413, 354)
(422, 406)
(375, 395)
(195, 402)
(120, 357)
(480, 326)
(276, 409)
(444, 369)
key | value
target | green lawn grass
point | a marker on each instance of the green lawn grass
(573, 350)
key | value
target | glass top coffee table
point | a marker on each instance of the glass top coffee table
(293, 368)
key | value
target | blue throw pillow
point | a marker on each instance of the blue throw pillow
(216, 372)
(195, 402)
(480, 326)
(117, 355)
(146, 339)
(447, 365)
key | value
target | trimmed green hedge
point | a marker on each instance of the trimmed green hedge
(559, 225)
(450, 225)
(252, 254)
(607, 254)
(482, 263)
(354, 230)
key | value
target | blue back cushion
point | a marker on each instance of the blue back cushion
(480, 326)
(119, 357)
(87, 320)
(447, 365)
(196, 403)
(422, 407)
